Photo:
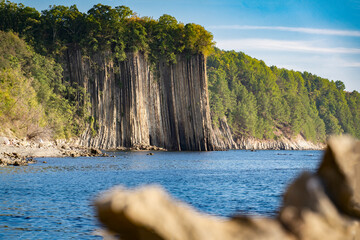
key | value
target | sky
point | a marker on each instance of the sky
(318, 36)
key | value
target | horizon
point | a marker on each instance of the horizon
(321, 38)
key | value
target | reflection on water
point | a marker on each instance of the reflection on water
(53, 200)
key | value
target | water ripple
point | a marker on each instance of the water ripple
(54, 200)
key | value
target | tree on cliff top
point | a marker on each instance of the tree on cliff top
(103, 27)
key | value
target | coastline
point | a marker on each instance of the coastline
(283, 143)
(21, 152)
(17, 152)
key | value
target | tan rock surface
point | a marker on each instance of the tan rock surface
(340, 173)
(149, 213)
(22, 152)
(309, 213)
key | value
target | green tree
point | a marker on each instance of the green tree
(278, 101)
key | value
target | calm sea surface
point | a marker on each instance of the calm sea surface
(53, 200)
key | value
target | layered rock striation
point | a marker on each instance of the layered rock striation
(134, 102)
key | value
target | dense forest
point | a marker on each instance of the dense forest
(103, 28)
(266, 102)
(258, 101)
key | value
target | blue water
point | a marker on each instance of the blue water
(53, 200)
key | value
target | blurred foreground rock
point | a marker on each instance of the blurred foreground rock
(324, 205)
(340, 173)
(149, 213)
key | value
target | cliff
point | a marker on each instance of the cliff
(283, 143)
(226, 139)
(136, 103)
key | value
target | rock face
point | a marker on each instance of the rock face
(340, 173)
(316, 206)
(298, 143)
(136, 103)
(223, 135)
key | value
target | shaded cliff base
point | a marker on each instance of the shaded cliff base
(321, 205)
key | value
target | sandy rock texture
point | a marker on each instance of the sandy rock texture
(323, 205)
(21, 152)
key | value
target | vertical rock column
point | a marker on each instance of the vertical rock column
(185, 105)
(133, 77)
(132, 105)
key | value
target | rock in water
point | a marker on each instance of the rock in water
(340, 173)
(95, 151)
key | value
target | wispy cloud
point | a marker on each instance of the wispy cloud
(352, 64)
(292, 29)
(280, 45)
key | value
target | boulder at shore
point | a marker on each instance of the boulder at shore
(323, 205)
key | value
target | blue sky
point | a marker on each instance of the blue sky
(321, 37)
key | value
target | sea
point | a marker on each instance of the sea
(53, 198)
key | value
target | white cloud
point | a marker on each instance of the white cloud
(292, 29)
(281, 45)
(352, 64)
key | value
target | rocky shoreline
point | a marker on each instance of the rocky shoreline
(22, 152)
(283, 143)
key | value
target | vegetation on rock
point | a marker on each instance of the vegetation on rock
(33, 98)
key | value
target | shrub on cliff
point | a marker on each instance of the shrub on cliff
(33, 98)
